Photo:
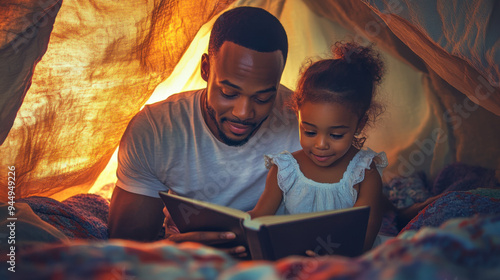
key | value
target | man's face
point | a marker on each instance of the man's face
(241, 88)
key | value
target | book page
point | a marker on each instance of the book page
(223, 209)
(278, 219)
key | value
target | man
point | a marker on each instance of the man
(209, 144)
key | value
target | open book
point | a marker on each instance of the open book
(339, 232)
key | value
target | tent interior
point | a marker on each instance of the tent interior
(74, 73)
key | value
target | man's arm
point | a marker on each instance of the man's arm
(134, 216)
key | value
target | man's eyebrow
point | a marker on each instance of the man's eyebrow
(273, 88)
(228, 83)
(335, 126)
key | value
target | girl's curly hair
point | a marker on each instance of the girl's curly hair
(349, 78)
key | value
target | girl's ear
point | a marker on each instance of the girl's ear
(361, 124)
(205, 67)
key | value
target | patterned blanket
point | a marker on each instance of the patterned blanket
(455, 237)
(82, 216)
(464, 248)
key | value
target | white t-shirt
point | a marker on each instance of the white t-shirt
(168, 146)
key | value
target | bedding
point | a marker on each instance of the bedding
(81, 216)
(463, 248)
(455, 237)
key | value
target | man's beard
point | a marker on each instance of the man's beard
(226, 140)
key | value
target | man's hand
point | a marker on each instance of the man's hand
(205, 237)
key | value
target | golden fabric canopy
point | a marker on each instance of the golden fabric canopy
(103, 62)
(73, 74)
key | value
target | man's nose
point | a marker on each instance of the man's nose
(243, 109)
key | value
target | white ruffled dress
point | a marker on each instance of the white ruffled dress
(303, 195)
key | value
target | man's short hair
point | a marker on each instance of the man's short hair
(249, 27)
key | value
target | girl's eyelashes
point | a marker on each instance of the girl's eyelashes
(313, 133)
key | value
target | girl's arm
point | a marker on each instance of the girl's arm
(270, 199)
(370, 194)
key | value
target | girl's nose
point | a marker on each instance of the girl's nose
(321, 143)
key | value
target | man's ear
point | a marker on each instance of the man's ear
(205, 67)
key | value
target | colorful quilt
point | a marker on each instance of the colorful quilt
(82, 216)
(464, 248)
(455, 237)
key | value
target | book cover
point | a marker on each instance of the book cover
(338, 232)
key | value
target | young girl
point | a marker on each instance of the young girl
(333, 103)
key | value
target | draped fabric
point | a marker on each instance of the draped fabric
(83, 69)
(103, 61)
(456, 44)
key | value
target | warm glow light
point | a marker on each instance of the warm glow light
(71, 82)
(186, 76)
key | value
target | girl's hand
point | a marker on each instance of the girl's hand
(311, 253)
(370, 194)
(270, 199)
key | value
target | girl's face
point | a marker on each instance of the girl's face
(326, 131)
